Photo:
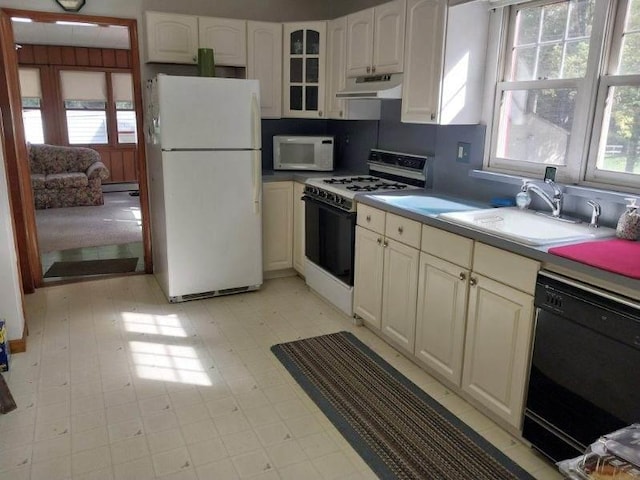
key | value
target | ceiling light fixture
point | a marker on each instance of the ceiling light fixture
(71, 5)
(76, 24)
(21, 19)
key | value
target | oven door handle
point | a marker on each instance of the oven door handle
(330, 208)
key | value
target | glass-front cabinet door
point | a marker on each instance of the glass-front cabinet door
(304, 64)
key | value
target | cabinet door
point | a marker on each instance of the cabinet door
(367, 288)
(423, 62)
(298, 228)
(399, 294)
(360, 42)
(388, 46)
(264, 63)
(277, 225)
(498, 341)
(227, 37)
(441, 316)
(336, 65)
(304, 52)
(171, 38)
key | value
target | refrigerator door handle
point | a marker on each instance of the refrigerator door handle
(256, 124)
(257, 182)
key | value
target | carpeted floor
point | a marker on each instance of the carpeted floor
(397, 429)
(116, 222)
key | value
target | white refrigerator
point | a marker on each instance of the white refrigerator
(205, 182)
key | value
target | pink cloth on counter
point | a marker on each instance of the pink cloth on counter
(615, 255)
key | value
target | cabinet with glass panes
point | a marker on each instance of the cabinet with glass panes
(304, 55)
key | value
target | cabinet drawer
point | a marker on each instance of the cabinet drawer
(403, 230)
(448, 246)
(506, 267)
(371, 218)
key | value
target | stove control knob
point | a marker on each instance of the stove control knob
(323, 194)
(339, 200)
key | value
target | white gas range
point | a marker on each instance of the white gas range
(330, 219)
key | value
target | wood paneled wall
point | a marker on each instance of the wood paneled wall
(121, 160)
(74, 56)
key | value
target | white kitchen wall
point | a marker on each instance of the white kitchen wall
(10, 296)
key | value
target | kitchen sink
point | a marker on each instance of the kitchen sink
(525, 226)
(427, 204)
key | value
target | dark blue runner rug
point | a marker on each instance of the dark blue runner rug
(398, 430)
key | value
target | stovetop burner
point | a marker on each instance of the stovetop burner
(349, 180)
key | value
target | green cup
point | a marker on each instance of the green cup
(206, 65)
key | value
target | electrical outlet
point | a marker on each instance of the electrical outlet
(463, 152)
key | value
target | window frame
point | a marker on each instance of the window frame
(580, 162)
(609, 78)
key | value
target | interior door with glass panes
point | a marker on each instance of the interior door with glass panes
(304, 64)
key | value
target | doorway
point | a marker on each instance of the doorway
(87, 96)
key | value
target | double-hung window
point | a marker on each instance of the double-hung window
(569, 94)
(31, 93)
(84, 94)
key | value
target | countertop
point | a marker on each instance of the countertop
(580, 271)
(602, 278)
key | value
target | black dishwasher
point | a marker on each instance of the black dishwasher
(585, 367)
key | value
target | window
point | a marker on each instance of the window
(85, 102)
(31, 104)
(558, 104)
(125, 110)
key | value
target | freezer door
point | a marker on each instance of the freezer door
(213, 221)
(208, 113)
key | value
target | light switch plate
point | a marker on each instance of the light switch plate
(462, 155)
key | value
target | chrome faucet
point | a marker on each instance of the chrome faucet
(555, 202)
(595, 213)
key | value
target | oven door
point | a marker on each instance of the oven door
(330, 238)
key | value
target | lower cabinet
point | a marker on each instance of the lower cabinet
(386, 274)
(441, 316)
(369, 260)
(298, 228)
(399, 293)
(463, 309)
(277, 226)
(497, 346)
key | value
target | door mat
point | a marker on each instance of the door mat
(92, 267)
(398, 430)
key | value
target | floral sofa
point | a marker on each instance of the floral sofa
(66, 176)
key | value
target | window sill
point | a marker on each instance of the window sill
(575, 190)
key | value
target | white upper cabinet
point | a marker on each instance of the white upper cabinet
(388, 39)
(227, 37)
(360, 43)
(375, 40)
(444, 62)
(338, 108)
(303, 84)
(171, 38)
(264, 63)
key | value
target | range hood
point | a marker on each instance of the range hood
(378, 86)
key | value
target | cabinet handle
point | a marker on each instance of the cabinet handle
(462, 276)
(379, 241)
(368, 69)
(400, 230)
(340, 113)
(368, 218)
(373, 69)
(195, 59)
(433, 116)
(386, 243)
(320, 113)
(473, 281)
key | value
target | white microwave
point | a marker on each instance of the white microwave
(303, 152)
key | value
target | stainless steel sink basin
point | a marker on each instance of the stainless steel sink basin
(525, 226)
(427, 204)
